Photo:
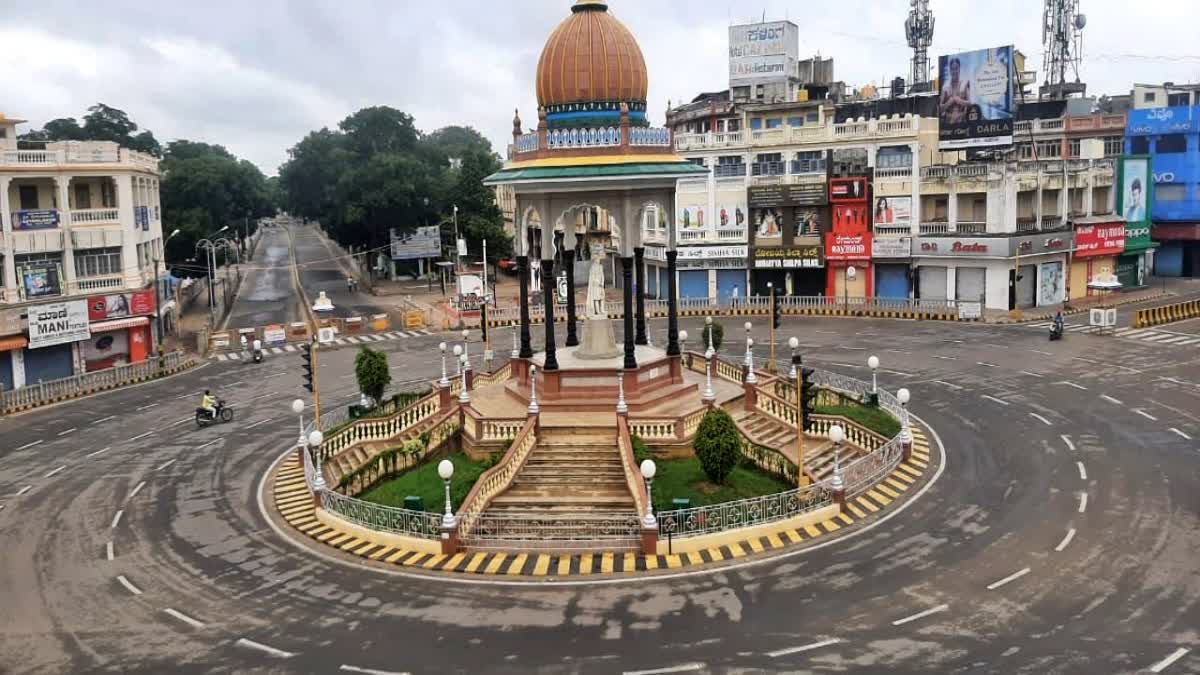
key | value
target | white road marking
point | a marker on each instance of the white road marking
(1114, 401)
(804, 648)
(97, 452)
(165, 464)
(1180, 434)
(1082, 471)
(1072, 384)
(1008, 579)
(110, 417)
(997, 400)
(116, 519)
(1082, 502)
(23, 490)
(208, 444)
(147, 407)
(184, 618)
(369, 671)
(1031, 374)
(108, 550)
(251, 644)
(856, 349)
(844, 365)
(1041, 419)
(29, 445)
(1145, 414)
(1067, 440)
(55, 471)
(1038, 351)
(947, 384)
(1172, 658)
(946, 358)
(128, 586)
(259, 423)
(685, 668)
(137, 489)
(67, 431)
(1065, 541)
(139, 437)
(986, 365)
(290, 348)
(920, 615)
(222, 357)
(894, 372)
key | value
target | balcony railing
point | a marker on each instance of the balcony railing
(729, 170)
(798, 167)
(88, 216)
(88, 284)
(691, 236)
(731, 234)
(934, 228)
(970, 227)
(894, 172)
(808, 133)
(768, 169)
(893, 230)
(79, 152)
(1026, 224)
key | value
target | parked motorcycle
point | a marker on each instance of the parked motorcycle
(222, 413)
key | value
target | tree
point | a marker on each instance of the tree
(102, 123)
(371, 371)
(718, 332)
(718, 445)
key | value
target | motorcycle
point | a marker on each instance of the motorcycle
(1056, 331)
(258, 356)
(222, 413)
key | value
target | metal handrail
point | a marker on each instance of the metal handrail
(76, 385)
(744, 512)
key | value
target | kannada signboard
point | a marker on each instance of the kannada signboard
(711, 252)
(789, 257)
(1172, 120)
(58, 323)
(35, 219)
(848, 246)
(891, 247)
(763, 51)
(801, 194)
(1104, 239)
(975, 107)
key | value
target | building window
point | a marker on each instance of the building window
(1073, 147)
(1170, 192)
(774, 123)
(1171, 143)
(795, 121)
(1025, 151)
(1177, 99)
(28, 196)
(734, 125)
(1049, 149)
(1139, 145)
(97, 262)
(1114, 145)
(1148, 97)
(814, 117)
(83, 196)
(894, 158)
(755, 123)
(808, 162)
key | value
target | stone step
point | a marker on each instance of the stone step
(575, 470)
(571, 456)
(574, 500)
(594, 440)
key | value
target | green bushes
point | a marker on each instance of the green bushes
(875, 419)
(718, 332)
(371, 371)
(718, 445)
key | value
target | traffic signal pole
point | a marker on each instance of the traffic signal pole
(774, 319)
(801, 479)
(312, 379)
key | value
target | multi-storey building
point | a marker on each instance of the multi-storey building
(80, 241)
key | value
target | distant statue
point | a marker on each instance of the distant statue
(595, 293)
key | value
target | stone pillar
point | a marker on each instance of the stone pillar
(572, 337)
(7, 258)
(749, 393)
(449, 539)
(548, 300)
(639, 264)
(627, 278)
(68, 258)
(523, 274)
(649, 540)
(672, 307)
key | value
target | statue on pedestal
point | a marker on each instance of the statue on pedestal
(599, 341)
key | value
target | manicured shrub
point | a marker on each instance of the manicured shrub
(718, 445)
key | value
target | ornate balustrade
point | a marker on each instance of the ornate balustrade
(376, 428)
(633, 473)
(769, 404)
(497, 479)
(655, 429)
(743, 513)
(501, 374)
(391, 462)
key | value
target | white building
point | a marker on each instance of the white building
(80, 240)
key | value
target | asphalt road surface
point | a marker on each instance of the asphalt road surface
(319, 271)
(266, 294)
(1062, 536)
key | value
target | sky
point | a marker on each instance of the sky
(258, 76)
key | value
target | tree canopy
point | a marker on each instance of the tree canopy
(377, 172)
(101, 123)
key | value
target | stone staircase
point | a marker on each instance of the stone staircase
(359, 454)
(572, 481)
(818, 452)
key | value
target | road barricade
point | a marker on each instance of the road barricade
(1157, 316)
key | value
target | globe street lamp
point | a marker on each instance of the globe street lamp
(794, 343)
(446, 470)
(749, 358)
(837, 435)
(708, 322)
(315, 439)
(905, 435)
(444, 382)
(709, 395)
(648, 471)
(464, 394)
(751, 378)
(466, 357)
(298, 408)
(533, 404)
(873, 364)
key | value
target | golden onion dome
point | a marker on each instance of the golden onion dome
(591, 58)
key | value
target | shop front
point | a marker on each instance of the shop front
(1099, 241)
(1179, 255)
(848, 261)
(54, 328)
(797, 270)
(1002, 273)
(891, 259)
(120, 330)
(12, 345)
(712, 272)
(787, 220)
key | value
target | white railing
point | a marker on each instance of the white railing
(40, 393)
(87, 216)
(80, 152)
(894, 172)
(970, 227)
(808, 133)
(377, 428)
(893, 230)
(560, 139)
(731, 234)
(650, 136)
(99, 283)
(31, 157)
(527, 142)
(934, 228)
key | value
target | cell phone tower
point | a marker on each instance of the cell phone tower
(1062, 42)
(918, 28)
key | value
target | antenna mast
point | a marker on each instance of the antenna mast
(918, 28)
(1062, 44)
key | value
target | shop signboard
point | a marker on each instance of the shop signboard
(893, 211)
(35, 219)
(975, 105)
(425, 242)
(274, 334)
(120, 305)
(1102, 239)
(848, 246)
(711, 252)
(970, 310)
(58, 323)
(789, 257)
(975, 247)
(800, 194)
(1169, 120)
(1134, 200)
(848, 189)
(762, 51)
(891, 247)
(1041, 243)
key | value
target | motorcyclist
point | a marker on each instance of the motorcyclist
(1058, 321)
(243, 343)
(209, 404)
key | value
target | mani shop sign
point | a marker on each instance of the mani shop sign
(58, 323)
(788, 257)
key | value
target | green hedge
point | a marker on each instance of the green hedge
(875, 419)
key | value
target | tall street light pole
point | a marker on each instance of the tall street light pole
(158, 292)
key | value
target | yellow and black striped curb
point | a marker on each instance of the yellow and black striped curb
(1157, 316)
(905, 314)
(295, 505)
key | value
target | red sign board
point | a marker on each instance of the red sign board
(848, 246)
(1105, 239)
(847, 189)
(120, 305)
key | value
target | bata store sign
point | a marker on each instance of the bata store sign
(939, 246)
(848, 246)
(120, 305)
(1106, 239)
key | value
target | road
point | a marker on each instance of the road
(266, 294)
(319, 271)
(1061, 537)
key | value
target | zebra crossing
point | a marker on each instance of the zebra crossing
(365, 338)
(1150, 335)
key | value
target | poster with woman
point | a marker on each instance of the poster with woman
(105, 350)
(1050, 283)
(768, 225)
(807, 222)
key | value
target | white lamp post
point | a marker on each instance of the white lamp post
(750, 376)
(794, 344)
(446, 470)
(873, 364)
(466, 357)
(458, 350)
(648, 471)
(837, 435)
(622, 408)
(905, 435)
(464, 395)
(709, 395)
(444, 382)
(749, 357)
(708, 354)
(298, 408)
(315, 439)
(516, 350)
(533, 404)
(683, 336)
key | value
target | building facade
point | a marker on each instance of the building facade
(80, 240)
(1170, 138)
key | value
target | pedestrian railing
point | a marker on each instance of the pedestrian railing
(567, 532)
(422, 524)
(497, 479)
(744, 512)
(41, 393)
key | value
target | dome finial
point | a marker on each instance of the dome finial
(586, 5)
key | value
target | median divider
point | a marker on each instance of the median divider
(1157, 316)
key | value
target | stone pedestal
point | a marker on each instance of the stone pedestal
(449, 540)
(649, 540)
(599, 340)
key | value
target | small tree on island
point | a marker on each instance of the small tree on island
(718, 336)
(718, 445)
(371, 371)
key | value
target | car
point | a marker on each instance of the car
(508, 265)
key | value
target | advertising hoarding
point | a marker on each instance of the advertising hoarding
(801, 194)
(425, 242)
(1105, 239)
(848, 246)
(105, 350)
(1134, 199)
(893, 211)
(35, 219)
(789, 257)
(847, 189)
(1172, 120)
(40, 280)
(120, 305)
(975, 107)
(58, 323)
(763, 51)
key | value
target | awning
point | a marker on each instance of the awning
(118, 324)
(13, 342)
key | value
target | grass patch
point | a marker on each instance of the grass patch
(875, 419)
(424, 482)
(683, 478)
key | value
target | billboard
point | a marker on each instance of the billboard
(893, 211)
(425, 242)
(1171, 120)
(120, 305)
(1133, 201)
(763, 51)
(975, 107)
(58, 323)
(1103, 239)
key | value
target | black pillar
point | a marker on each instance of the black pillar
(639, 263)
(569, 264)
(627, 277)
(548, 301)
(672, 307)
(523, 274)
